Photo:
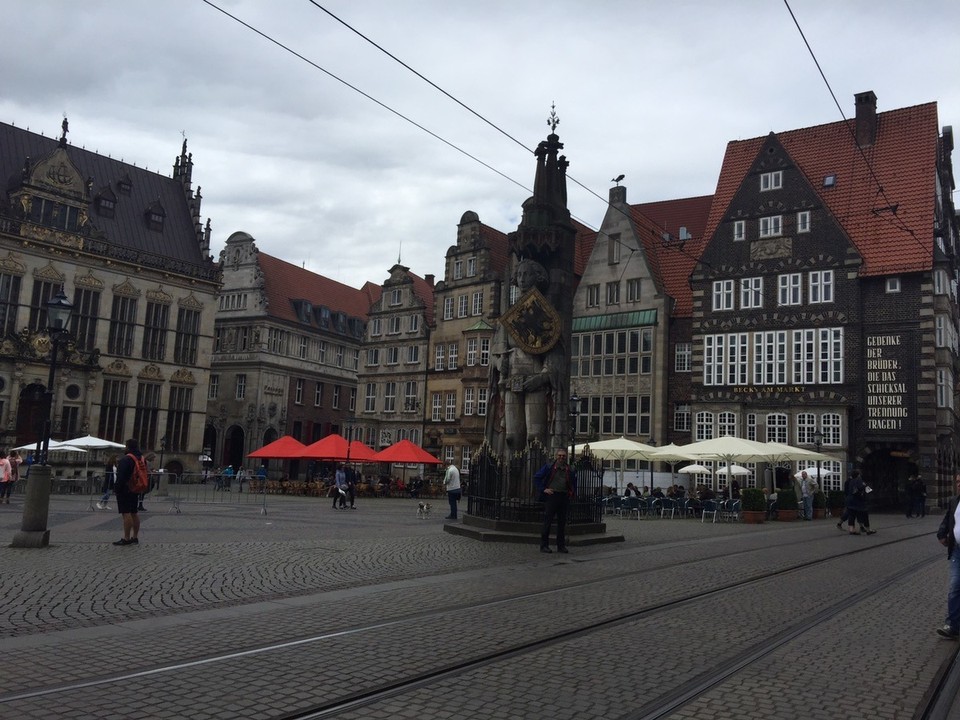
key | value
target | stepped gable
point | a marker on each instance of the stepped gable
(672, 258)
(903, 156)
(135, 189)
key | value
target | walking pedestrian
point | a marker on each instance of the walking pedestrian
(127, 503)
(807, 489)
(351, 476)
(557, 483)
(109, 478)
(6, 477)
(241, 477)
(948, 536)
(920, 497)
(451, 481)
(339, 488)
(855, 490)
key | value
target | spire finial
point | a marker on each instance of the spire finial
(553, 120)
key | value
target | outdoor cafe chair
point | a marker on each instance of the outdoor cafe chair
(668, 505)
(709, 508)
(630, 506)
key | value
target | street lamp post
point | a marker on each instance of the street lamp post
(36, 505)
(652, 443)
(573, 408)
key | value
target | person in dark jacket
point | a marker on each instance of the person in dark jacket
(947, 535)
(556, 483)
(127, 502)
(856, 491)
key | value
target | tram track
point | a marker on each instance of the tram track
(366, 695)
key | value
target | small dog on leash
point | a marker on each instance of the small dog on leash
(423, 509)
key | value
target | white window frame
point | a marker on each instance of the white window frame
(751, 293)
(803, 221)
(451, 407)
(893, 285)
(593, 295)
(789, 289)
(778, 428)
(439, 357)
(739, 230)
(462, 306)
(634, 288)
(478, 302)
(772, 180)
(771, 226)
(682, 357)
(820, 287)
(448, 308)
(722, 295)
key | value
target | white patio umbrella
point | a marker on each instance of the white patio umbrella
(734, 470)
(781, 452)
(695, 470)
(620, 449)
(90, 442)
(814, 472)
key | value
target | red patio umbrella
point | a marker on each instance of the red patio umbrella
(405, 451)
(331, 447)
(359, 452)
(281, 448)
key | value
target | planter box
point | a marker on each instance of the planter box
(753, 517)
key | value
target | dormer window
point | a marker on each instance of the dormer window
(771, 180)
(155, 216)
(124, 185)
(105, 203)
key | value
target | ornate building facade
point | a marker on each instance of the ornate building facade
(392, 377)
(127, 248)
(287, 351)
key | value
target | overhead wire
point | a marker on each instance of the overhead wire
(900, 224)
(490, 123)
(433, 134)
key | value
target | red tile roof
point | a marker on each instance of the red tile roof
(423, 290)
(903, 160)
(284, 283)
(498, 246)
(671, 259)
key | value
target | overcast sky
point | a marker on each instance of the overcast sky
(326, 178)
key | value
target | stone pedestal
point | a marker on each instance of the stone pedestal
(36, 509)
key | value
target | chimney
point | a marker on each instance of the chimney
(618, 194)
(429, 279)
(866, 118)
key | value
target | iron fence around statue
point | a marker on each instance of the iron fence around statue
(504, 490)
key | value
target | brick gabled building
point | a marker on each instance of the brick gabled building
(825, 299)
(287, 347)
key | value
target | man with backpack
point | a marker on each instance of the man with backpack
(132, 480)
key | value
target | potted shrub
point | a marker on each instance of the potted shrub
(754, 504)
(819, 504)
(787, 504)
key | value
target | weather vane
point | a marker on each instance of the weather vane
(553, 120)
